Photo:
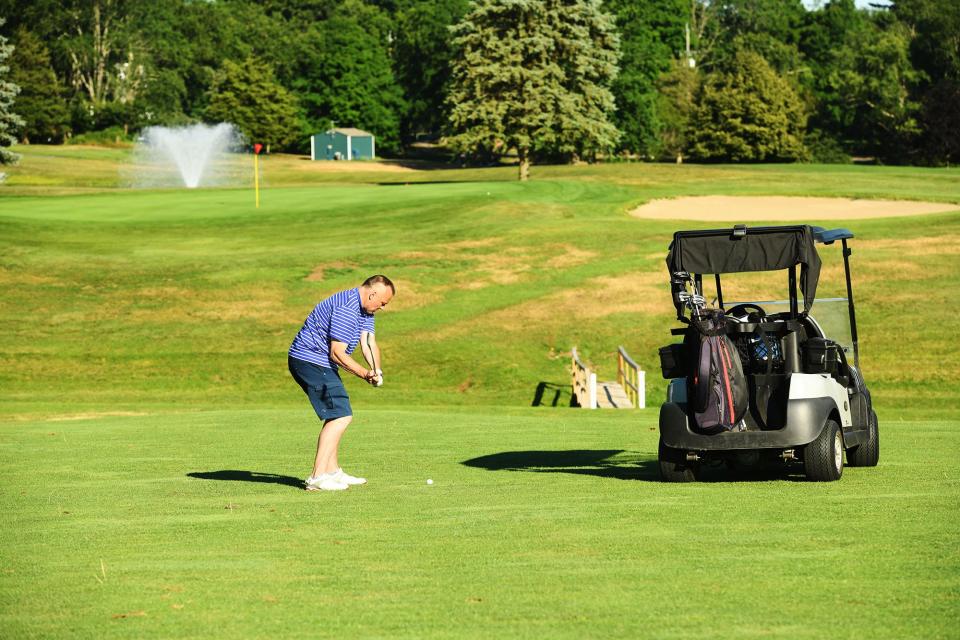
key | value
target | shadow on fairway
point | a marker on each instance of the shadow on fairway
(590, 462)
(248, 476)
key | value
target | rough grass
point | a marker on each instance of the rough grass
(540, 523)
(143, 339)
(178, 296)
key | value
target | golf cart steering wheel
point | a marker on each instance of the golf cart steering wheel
(745, 309)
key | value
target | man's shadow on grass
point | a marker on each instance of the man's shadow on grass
(603, 463)
(248, 476)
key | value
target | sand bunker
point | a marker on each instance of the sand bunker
(782, 208)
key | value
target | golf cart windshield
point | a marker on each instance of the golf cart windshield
(830, 314)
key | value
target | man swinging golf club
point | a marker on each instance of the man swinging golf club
(321, 349)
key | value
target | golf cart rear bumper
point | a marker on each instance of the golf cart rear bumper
(805, 419)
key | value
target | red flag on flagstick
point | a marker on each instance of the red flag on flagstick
(257, 147)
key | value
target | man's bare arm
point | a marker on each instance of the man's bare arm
(338, 353)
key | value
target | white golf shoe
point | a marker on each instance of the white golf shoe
(341, 476)
(324, 482)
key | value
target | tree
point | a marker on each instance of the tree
(885, 119)
(41, 100)
(935, 54)
(422, 54)
(677, 91)
(9, 120)
(861, 78)
(99, 48)
(651, 37)
(771, 28)
(343, 74)
(749, 114)
(249, 96)
(534, 76)
(830, 43)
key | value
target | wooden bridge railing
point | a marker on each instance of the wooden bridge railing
(584, 383)
(631, 378)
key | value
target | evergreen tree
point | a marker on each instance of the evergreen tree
(248, 96)
(41, 102)
(534, 76)
(749, 114)
(9, 121)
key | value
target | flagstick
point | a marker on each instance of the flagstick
(256, 176)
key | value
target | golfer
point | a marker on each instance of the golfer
(320, 351)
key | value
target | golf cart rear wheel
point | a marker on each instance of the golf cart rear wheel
(868, 453)
(823, 458)
(674, 466)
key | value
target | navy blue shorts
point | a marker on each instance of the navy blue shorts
(324, 388)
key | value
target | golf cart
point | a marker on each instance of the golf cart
(803, 400)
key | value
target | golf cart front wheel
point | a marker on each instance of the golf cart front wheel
(674, 467)
(823, 458)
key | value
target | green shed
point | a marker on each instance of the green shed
(342, 144)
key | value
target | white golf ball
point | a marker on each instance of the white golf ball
(429, 481)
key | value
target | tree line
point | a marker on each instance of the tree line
(705, 80)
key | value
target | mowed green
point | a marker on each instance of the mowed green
(539, 523)
(153, 442)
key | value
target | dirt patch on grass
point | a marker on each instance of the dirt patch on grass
(571, 257)
(92, 415)
(411, 296)
(11, 277)
(319, 271)
(931, 245)
(640, 294)
(177, 305)
(783, 208)
(474, 244)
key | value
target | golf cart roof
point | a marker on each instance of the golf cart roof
(756, 249)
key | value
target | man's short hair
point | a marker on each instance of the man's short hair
(380, 279)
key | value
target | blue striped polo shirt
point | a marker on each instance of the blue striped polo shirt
(340, 317)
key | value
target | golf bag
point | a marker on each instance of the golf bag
(718, 388)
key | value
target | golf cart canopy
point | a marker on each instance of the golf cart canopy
(757, 249)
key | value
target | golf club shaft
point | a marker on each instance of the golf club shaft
(373, 358)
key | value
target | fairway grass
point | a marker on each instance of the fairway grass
(540, 523)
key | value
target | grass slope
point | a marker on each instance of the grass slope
(539, 524)
(132, 298)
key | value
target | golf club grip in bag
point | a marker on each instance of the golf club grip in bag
(719, 388)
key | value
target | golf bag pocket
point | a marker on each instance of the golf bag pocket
(672, 361)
